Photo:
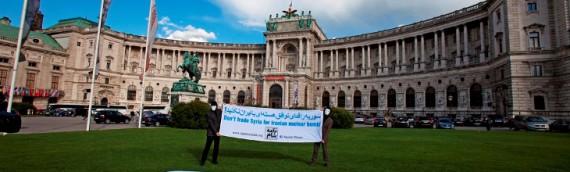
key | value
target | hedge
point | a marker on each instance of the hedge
(191, 115)
(342, 118)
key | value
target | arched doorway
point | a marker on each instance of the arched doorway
(241, 97)
(374, 99)
(452, 96)
(275, 96)
(211, 96)
(326, 99)
(104, 101)
(357, 99)
(410, 98)
(341, 102)
(391, 98)
(226, 97)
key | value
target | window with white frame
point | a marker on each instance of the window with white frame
(534, 40)
(536, 70)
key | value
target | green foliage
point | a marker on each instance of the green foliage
(23, 107)
(342, 118)
(190, 115)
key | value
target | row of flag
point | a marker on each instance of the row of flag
(34, 92)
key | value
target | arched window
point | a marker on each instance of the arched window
(410, 98)
(476, 95)
(241, 97)
(211, 96)
(452, 96)
(104, 101)
(341, 99)
(391, 98)
(430, 97)
(227, 96)
(326, 99)
(132, 93)
(276, 96)
(164, 94)
(357, 99)
(148, 94)
(374, 98)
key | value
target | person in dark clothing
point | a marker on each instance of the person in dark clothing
(213, 134)
(327, 125)
(488, 123)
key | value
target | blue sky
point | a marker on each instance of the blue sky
(240, 21)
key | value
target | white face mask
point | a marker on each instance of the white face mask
(214, 108)
(327, 111)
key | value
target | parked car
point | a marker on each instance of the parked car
(497, 120)
(535, 123)
(369, 120)
(472, 121)
(107, 117)
(458, 122)
(359, 119)
(445, 123)
(380, 122)
(423, 122)
(157, 120)
(401, 122)
(10, 122)
(560, 125)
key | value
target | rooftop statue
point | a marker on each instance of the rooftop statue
(290, 13)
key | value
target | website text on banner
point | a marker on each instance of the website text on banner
(271, 125)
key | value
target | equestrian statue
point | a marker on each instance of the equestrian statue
(190, 65)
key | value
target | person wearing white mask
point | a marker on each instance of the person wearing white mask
(213, 134)
(327, 125)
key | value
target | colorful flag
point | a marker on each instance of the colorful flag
(32, 8)
(152, 27)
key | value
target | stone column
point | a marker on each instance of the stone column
(482, 39)
(465, 46)
(337, 73)
(386, 65)
(129, 58)
(208, 64)
(347, 60)
(331, 59)
(234, 65)
(363, 61)
(266, 61)
(436, 58)
(380, 65)
(122, 62)
(141, 58)
(404, 58)
(397, 70)
(162, 59)
(444, 57)
(352, 73)
(221, 57)
(416, 62)
(247, 69)
(423, 51)
(286, 104)
(299, 65)
(274, 55)
(457, 46)
(368, 59)
(321, 70)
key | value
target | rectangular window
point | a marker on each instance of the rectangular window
(534, 40)
(55, 82)
(498, 15)
(85, 96)
(108, 66)
(110, 46)
(500, 44)
(502, 74)
(56, 68)
(106, 80)
(79, 44)
(90, 44)
(30, 80)
(4, 60)
(539, 103)
(3, 77)
(536, 70)
(532, 6)
(32, 64)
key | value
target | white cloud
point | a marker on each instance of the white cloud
(339, 16)
(184, 33)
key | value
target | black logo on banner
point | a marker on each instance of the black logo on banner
(271, 133)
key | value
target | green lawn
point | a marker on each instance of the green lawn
(359, 149)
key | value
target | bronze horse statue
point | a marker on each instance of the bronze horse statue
(190, 65)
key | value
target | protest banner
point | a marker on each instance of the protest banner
(271, 125)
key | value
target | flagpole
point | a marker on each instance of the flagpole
(95, 65)
(145, 61)
(17, 57)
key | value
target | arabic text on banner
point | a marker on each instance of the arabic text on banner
(271, 125)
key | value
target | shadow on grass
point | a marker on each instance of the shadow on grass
(238, 153)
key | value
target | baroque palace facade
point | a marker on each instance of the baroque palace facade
(495, 57)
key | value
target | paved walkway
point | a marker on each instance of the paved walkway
(63, 124)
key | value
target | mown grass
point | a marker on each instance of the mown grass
(359, 149)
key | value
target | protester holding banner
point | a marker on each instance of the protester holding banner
(213, 134)
(327, 125)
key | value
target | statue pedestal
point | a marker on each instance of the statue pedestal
(186, 90)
